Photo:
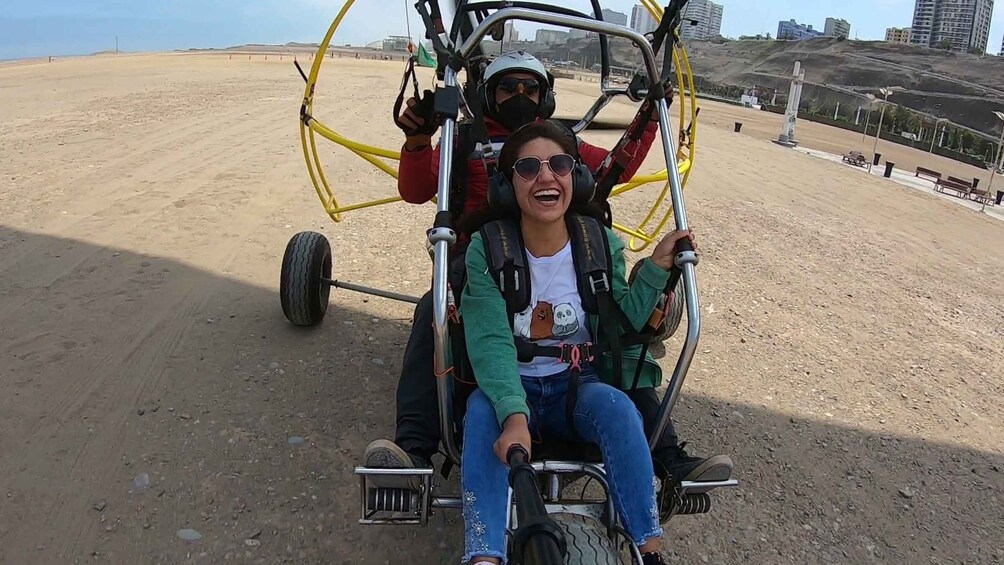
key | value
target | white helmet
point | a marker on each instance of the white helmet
(515, 61)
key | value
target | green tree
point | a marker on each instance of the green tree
(945, 44)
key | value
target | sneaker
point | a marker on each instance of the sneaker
(385, 454)
(683, 467)
(695, 469)
(652, 558)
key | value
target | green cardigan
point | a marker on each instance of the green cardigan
(490, 343)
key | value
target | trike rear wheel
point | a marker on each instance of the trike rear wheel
(304, 286)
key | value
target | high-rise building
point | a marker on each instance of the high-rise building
(897, 35)
(794, 30)
(958, 25)
(615, 17)
(510, 35)
(836, 27)
(642, 20)
(551, 37)
(708, 18)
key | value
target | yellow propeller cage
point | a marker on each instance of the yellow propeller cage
(641, 236)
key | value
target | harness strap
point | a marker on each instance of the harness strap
(479, 131)
(424, 108)
(619, 158)
(572, 397)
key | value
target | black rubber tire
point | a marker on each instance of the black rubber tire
(302, 293)
(587, 541)
(676, 309)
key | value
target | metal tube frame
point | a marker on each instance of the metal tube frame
(371, 291)
(686, 261)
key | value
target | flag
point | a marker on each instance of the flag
(426, 59)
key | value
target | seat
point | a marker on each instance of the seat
(567, 451)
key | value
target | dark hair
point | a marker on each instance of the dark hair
(546, 129)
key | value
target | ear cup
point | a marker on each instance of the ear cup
(547, 104)
(501, 193)
(545, 109)
(583, 184)
(487, 106)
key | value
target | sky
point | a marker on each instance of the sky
(33, 28)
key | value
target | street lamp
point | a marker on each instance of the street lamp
(934, 138)
(885, 92)
(868, 119)
(996, 163)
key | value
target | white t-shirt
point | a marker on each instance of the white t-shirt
(555, 313)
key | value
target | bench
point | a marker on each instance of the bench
(935, 175)
(981, 195)
(855, 158)
(961, 188)
(968, 183)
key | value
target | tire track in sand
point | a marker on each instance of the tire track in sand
(138, 357)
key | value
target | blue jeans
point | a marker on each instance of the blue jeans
(603, 415)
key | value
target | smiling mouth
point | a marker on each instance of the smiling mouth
(549, 196)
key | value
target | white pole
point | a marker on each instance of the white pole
(992, 171)
(787, 136)
(878, 133)
(1000, 160)
(837, 111)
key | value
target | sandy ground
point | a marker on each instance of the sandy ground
(851, 358)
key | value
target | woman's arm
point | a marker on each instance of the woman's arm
(490, 344)
(640, 298)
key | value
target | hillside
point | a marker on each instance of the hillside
(963, 88)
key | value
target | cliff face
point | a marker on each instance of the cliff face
(963, 88)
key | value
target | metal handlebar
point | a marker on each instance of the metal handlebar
(537, 539)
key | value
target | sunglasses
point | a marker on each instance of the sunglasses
(509, 85)
(529, 167)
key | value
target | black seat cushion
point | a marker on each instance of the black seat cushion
(567, 451)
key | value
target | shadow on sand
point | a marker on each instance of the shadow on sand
(117, 363)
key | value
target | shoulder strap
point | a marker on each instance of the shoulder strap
(591, 256)
(507, 263)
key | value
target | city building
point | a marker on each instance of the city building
(642, 20)
(794, 30)
(577, 33)
(957, 25)
(708, 18)
(510, 34)
(396, 43)
(615, 17)
(836, 27)
(551, 37)
(897, 35)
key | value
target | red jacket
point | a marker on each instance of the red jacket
(418, 172)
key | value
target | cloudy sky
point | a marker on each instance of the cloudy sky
(33, 28)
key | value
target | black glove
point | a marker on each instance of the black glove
(419, 117)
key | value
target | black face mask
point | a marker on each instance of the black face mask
(516, 112)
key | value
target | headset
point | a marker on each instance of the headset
(502, 193)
